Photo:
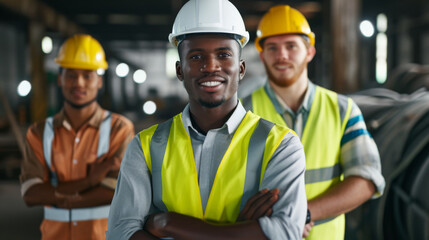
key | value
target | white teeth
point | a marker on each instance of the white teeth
(282, 67)
(211, 84)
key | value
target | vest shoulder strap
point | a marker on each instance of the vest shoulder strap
(48, 137)
(262, 105)
(104, 138)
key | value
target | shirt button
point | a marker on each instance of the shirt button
(74, 161)
(76, 140)
(74, 223)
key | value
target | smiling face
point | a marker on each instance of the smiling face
(79, 87)
(210, 68)
(285, 58)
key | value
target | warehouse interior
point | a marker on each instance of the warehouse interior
(376, 51)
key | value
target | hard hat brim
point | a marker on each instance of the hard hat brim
(77, 65)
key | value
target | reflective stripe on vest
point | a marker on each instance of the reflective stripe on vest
(78, 214)
(48, 136)
(321, 137)
(238, 177)
(81, 214)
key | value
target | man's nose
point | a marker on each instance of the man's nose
(80, 80)
(211, 64)
(283, 53)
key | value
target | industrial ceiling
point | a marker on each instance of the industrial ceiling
(130, 20)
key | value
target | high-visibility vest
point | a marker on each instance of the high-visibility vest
(169, 156)
(78, 214)
(322, 146)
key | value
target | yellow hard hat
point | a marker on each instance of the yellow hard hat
(281, 20)
(82, 52)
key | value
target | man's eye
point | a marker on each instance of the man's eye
(225, 54)
(291, 46)
(195, 57)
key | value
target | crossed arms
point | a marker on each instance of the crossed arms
(179, 226)
(132, 214)
(81, 193)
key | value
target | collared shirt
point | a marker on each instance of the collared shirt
(359, 153)
(132, 202)
(72, 151)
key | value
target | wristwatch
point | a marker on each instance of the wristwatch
(308, 219)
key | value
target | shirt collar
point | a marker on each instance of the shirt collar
(61, 120)
(281, 106)
(231, 124)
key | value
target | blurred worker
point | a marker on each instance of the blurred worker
(343, 167)
(193, 176)
(72, 159)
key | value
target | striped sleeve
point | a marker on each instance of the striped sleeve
(359, 153)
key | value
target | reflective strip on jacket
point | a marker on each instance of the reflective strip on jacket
(80, 214)
(321, 139)
(174, 174)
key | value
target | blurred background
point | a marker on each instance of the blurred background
(376, 51)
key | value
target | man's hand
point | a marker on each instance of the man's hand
(179, 226)
(307, 229)
(98, 170)
(259, 205)
(156, 223)
(64, 201)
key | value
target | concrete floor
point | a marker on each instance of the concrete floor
(17, 221)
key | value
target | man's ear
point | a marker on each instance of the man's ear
(311, 51)
(261, 56)
(242, 68)
(100, 82)
(179, 72)
(59, 79)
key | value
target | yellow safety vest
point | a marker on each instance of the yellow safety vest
(322, 145)
(169, 156)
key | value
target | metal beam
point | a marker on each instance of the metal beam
(38, 11)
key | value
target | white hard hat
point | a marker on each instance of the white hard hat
(209, 16)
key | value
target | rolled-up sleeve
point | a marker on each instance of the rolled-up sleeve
(359, 152)
(285, 171)
(132, 202)
(33, 166)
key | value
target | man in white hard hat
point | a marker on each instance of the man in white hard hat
(213, 171)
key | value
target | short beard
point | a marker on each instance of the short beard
(211, 104)
(273, 79)
(284, 82)
(80, 106)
